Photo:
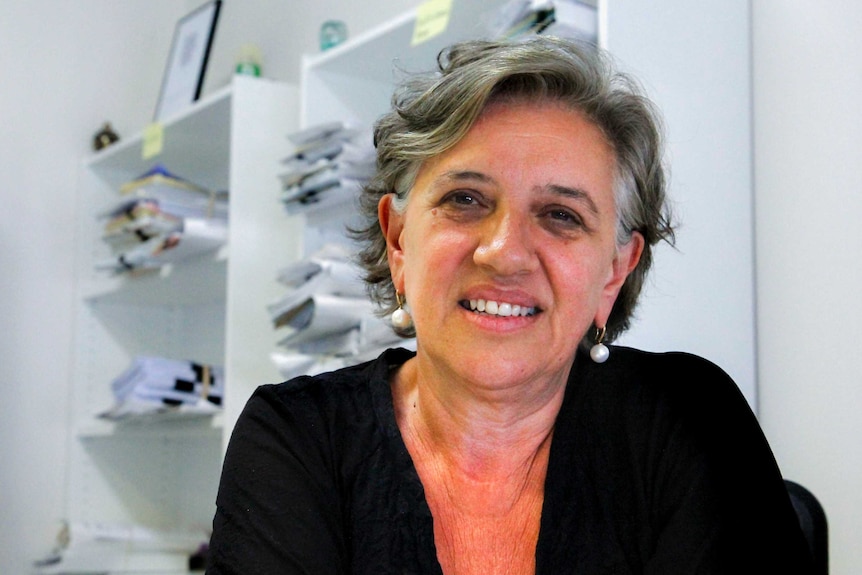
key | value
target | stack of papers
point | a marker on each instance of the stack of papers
(156, 385)
(575, 19)
(160, 219)
(328, 166)
(326, 315)
(519, 17)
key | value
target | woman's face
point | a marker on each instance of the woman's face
(518, 220)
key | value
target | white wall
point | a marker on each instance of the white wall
(694, 59)
(67, 67)
(808, 141)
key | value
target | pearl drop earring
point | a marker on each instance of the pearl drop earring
(600, 352)
(401, 317)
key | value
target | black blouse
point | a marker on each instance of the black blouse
(657, 466)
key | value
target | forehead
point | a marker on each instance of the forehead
(531, 138)
(548, 118)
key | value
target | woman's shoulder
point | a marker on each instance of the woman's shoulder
(671, 388)
(353, 403)
(668, 373)
(682, 424)
(675, 362)
(347, 409)
(342, 386)
(680, 391)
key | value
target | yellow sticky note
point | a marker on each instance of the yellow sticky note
(432, 18)
(154, 140)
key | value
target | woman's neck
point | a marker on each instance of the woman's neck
(481, 431)
(482, 457)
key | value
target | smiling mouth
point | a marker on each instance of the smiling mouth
(501, 309)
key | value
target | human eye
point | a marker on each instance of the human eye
(564, 216)
(563, 219)
(464, 198)
(464, 205)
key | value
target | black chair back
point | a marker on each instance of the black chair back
(812, 519)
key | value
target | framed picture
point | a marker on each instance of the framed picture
(187, 61)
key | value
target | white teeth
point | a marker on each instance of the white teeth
(502, 309)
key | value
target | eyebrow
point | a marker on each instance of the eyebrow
(574, 193)
(577, 194)
(463, 176)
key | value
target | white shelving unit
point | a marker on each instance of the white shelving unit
(162, 472)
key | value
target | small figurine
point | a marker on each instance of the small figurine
(105, 137)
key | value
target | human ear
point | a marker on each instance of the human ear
(625, 261)
(391, 225)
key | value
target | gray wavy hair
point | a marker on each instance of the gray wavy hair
(432, 112)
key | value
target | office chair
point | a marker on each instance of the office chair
(812, 519)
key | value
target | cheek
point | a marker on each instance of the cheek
(436, 239)
(433, 260)
(579, 278)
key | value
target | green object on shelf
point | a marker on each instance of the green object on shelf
(249, 61)
(332, 33)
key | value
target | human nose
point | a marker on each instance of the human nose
(506, 245)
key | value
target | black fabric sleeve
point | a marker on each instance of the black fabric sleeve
(277, 509)
(721, 503)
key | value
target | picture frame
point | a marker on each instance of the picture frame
(187, 61)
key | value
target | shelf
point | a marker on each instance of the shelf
(156, 425)
(112, 558)
(196, 146)
(196, 281)
(355, 79)
(362, 56)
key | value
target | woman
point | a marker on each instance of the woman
(519, 193)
